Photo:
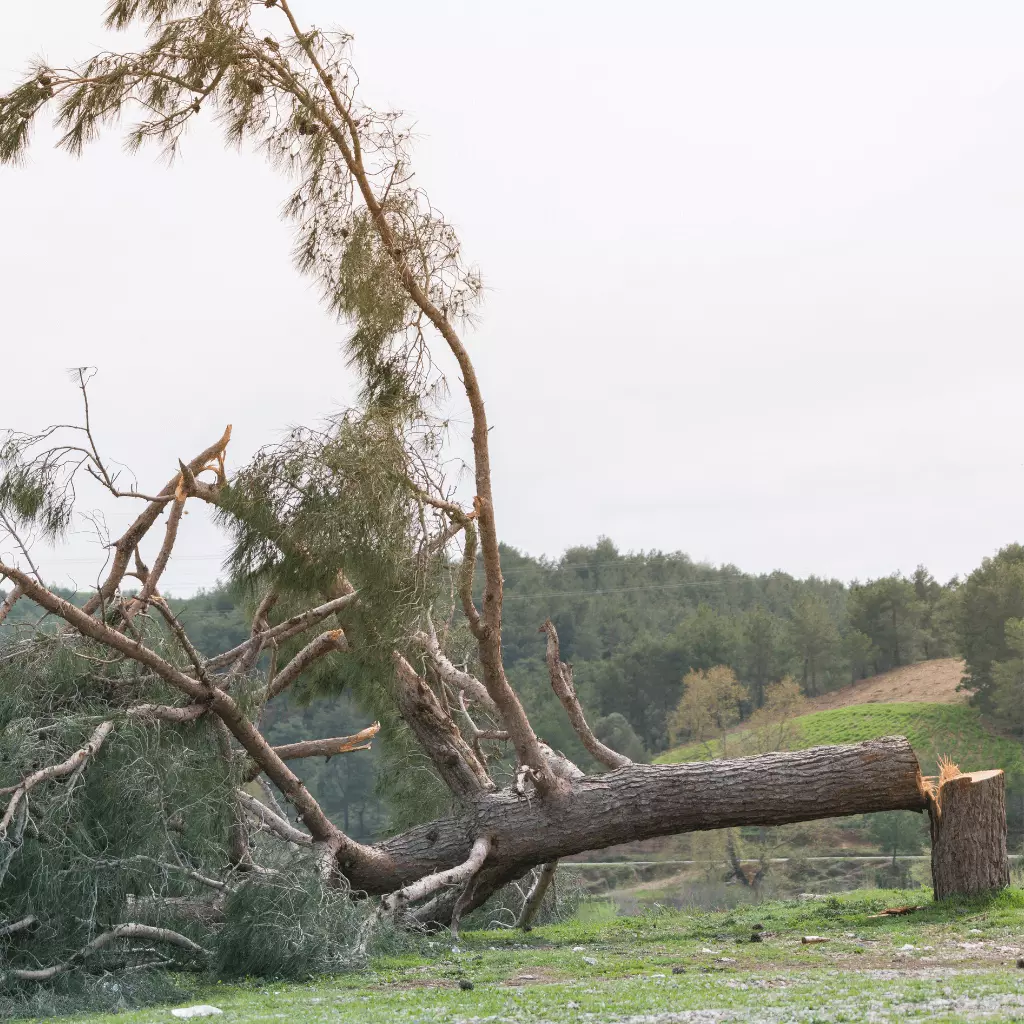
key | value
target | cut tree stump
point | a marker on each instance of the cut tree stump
(968, 816)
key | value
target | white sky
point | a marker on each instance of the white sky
(755, 274)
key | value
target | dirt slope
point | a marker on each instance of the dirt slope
(934, 681)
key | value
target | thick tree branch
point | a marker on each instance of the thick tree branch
(325, 643)
(283, 630)
(561, 766)
(455, 677)
(328, 747)
(94, 629)
(561, 683)
(18, 926)
(427, 886)
(438, 735)
(9, 602)
(167, 713)
(467, 573)
(306, 620)
(320, 748)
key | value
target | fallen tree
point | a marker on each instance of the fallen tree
(351, 540)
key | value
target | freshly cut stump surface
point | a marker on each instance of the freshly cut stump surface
(969, 835)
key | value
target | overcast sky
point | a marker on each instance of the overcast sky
(754, 274)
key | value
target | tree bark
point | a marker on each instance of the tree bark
(644, 801)
(536, 895)
(969, 835)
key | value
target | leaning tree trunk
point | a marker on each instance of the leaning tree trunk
(968, 817)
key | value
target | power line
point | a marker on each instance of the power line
(614, 590)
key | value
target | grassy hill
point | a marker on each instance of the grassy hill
(954, 730)
(919, 701)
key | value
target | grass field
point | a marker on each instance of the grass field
(954, 730)
(946, 962)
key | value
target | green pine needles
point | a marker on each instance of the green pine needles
(149, 822)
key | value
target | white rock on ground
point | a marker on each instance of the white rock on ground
(196, 1011)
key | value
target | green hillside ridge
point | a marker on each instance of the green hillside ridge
(954, 730)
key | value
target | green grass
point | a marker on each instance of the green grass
(599, 968)
(954, 730)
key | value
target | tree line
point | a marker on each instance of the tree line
(634, 625)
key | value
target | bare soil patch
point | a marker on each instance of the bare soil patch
(932, 681)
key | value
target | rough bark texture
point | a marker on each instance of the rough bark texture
(454, 759)
(644, 801)
(969, 835)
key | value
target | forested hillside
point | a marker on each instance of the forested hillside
(633, 625)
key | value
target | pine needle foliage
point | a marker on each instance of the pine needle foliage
(305, 929)
(37, 490)
(156, 831)
(85, 858)
(340, 501)
(130, 838)
(348, 493)
(292, 95)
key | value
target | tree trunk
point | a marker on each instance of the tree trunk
(969, 835)
(644, 801)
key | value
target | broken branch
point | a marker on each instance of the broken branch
(432, 883)
(536, 895)
(57, 771)
(129, 541)
(325, 643)
(121, 931)
(9, 602)
(273, 822)
(561, 683)
(320, 748)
